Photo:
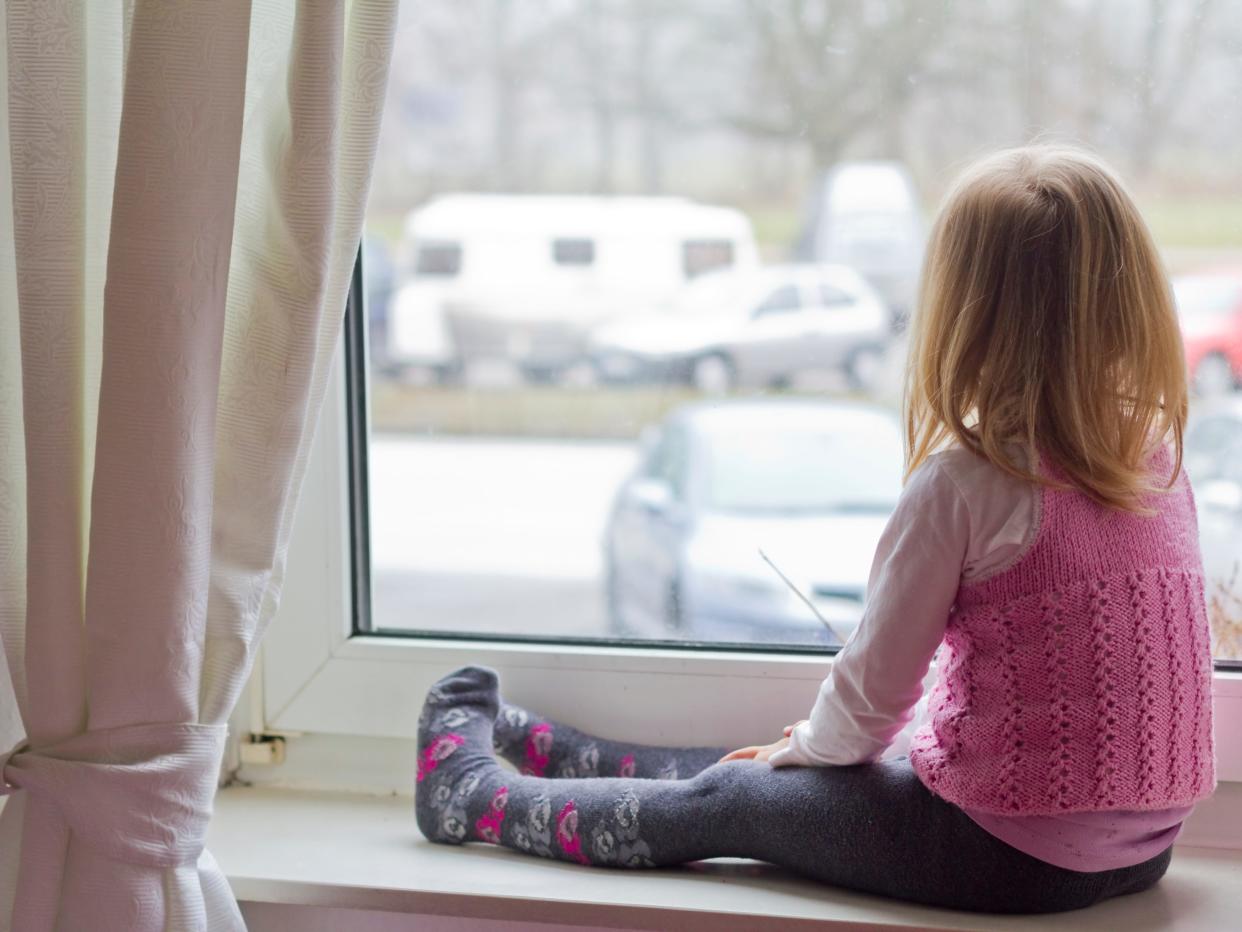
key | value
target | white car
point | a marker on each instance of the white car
(733, 329)
(731, 496)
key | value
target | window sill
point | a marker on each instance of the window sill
(354, 852)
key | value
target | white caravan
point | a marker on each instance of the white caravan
(524, 278)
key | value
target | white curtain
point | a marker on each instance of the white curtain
(182, 188)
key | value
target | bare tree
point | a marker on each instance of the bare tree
(611, 95)
(648, 105)
(825, 70)
(1172, 50)
(609, 69)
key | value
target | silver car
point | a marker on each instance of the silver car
(755, 328)
(730, 497)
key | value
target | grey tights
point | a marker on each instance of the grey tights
(873, 827)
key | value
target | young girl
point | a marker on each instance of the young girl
(1045, 542)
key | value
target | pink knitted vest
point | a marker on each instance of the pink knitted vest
(1079, 678)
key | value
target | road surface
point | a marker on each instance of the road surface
(487, 536)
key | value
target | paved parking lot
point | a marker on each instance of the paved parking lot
(491, 535)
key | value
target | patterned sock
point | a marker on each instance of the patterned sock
(872, 827)
(541, 747)
(455, 764)
(463, 794)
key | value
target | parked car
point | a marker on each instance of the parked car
(1209, 307)
(524, 278)
(734, 329)
(723, 488)
(1213, 461)
(867, 215)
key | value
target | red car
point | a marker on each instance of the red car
(1210, 309)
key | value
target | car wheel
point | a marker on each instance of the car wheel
(1214, 376)
(863, 367)
(713, 374)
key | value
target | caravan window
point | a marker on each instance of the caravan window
(438, 260)
(705, 255)
(573, 251)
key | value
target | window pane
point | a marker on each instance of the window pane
(832, 296)
(581, 426)
(700, 256)
(784, 298)
(438, 260)
(573, 251)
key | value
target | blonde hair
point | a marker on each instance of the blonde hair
(1045, 319)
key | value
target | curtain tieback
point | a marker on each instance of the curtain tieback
(139, 794)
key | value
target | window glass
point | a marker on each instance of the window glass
(577, 208)
(827, 466)
(832, 296)
(438, 260)
(573, 251)
(785, 298)
(667, 461)
(715, 290)
(700, 256)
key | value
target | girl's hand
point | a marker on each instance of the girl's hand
(789, 728)
(756, 752)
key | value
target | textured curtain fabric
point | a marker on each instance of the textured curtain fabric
(182, 189)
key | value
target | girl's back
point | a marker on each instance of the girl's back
(1077, 678)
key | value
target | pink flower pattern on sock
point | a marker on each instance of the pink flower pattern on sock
(489, 824)
(567, 833)
(538, 748)
(627, 767)
(439, 749)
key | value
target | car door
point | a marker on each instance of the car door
(768, 348)
(838, 322)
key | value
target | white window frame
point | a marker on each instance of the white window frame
(314, 677)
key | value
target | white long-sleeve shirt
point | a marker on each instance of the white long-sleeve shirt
(937, 538)
(959, 519)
